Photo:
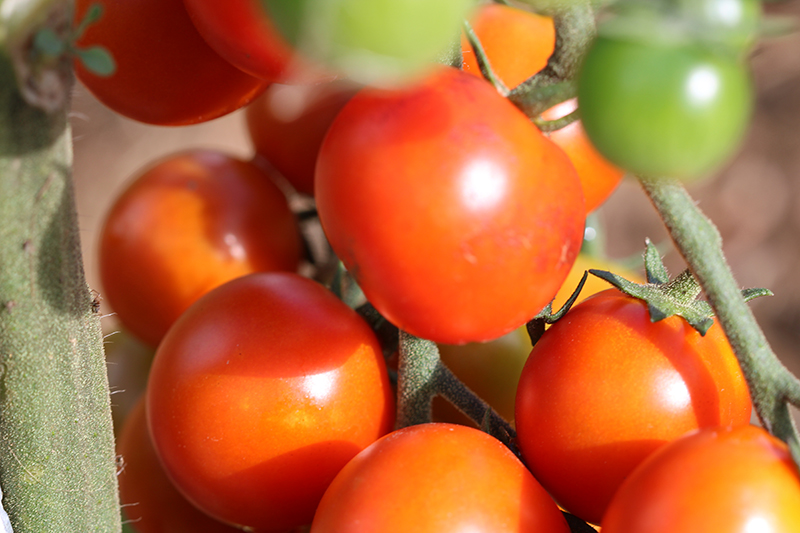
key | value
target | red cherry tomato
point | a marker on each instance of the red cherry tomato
(243, 33)
(150, 502)
(492, 369)
(518, 43)
(439, 478)
(260, 393)
(505, 33)
(166, 74)
(740, 479)
(456, 216)
(186, 225)
(287, 125)
(599, 177)
(605, 387)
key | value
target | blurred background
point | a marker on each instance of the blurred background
(755, 201)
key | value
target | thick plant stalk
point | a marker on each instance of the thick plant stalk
(57, 463)
(772, 386)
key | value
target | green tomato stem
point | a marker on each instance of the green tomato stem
(575, 29)
(698, 240)
(57, 461)
(483, 61)
(421, 375)
(416, 385)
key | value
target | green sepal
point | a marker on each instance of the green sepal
(653, 265)
(667, 297)
(48, 43)
(536, 325)
(93, 14)
(97, 60)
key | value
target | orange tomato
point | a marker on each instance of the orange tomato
(598, 176)
(186, 225)
(518, 43)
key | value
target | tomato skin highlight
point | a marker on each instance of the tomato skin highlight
(260, 393)
(187, 224)
(436, 478)
(166, 74)
(740, 479)
(605, 387)
(456, 216)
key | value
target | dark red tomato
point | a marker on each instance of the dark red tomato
(438, 478)
(149, 500)
(599, 178)
(605, 387)
(186, 225)
(739, 479)
(260, 393)
(242, 33)
(456, 216)
(166, 74)
(288, 122)
(518, 43)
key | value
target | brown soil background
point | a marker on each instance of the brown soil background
(755, 200)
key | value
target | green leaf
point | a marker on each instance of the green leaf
(93, 14)
(97, 60)
(47, 42)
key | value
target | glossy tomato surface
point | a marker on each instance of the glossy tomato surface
(518, 43)
(186, 225)
(438, 478)
(492, 369)
(261, 392)
(663, 110)
(242, 32)
(166, 74)
(605, 387)
(456, 216)
(288, 122)
(739, 479)
(151, 503)
(599, 177)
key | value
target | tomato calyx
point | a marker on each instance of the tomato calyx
(546, 316)
(667, 297)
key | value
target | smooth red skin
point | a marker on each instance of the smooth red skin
(291, 144)
(605, 387)
(518, 43)
(186, 225)
(399, 195)
(437, 478)
(241, 32)
(740, 480)
(505, 31)
(166, 74)
(151, 503)
(599, 177)
(241, 421)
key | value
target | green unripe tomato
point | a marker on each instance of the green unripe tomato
(659, 109)
(372, 41)
(733, 23)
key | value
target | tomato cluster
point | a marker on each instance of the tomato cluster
(269, 406)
